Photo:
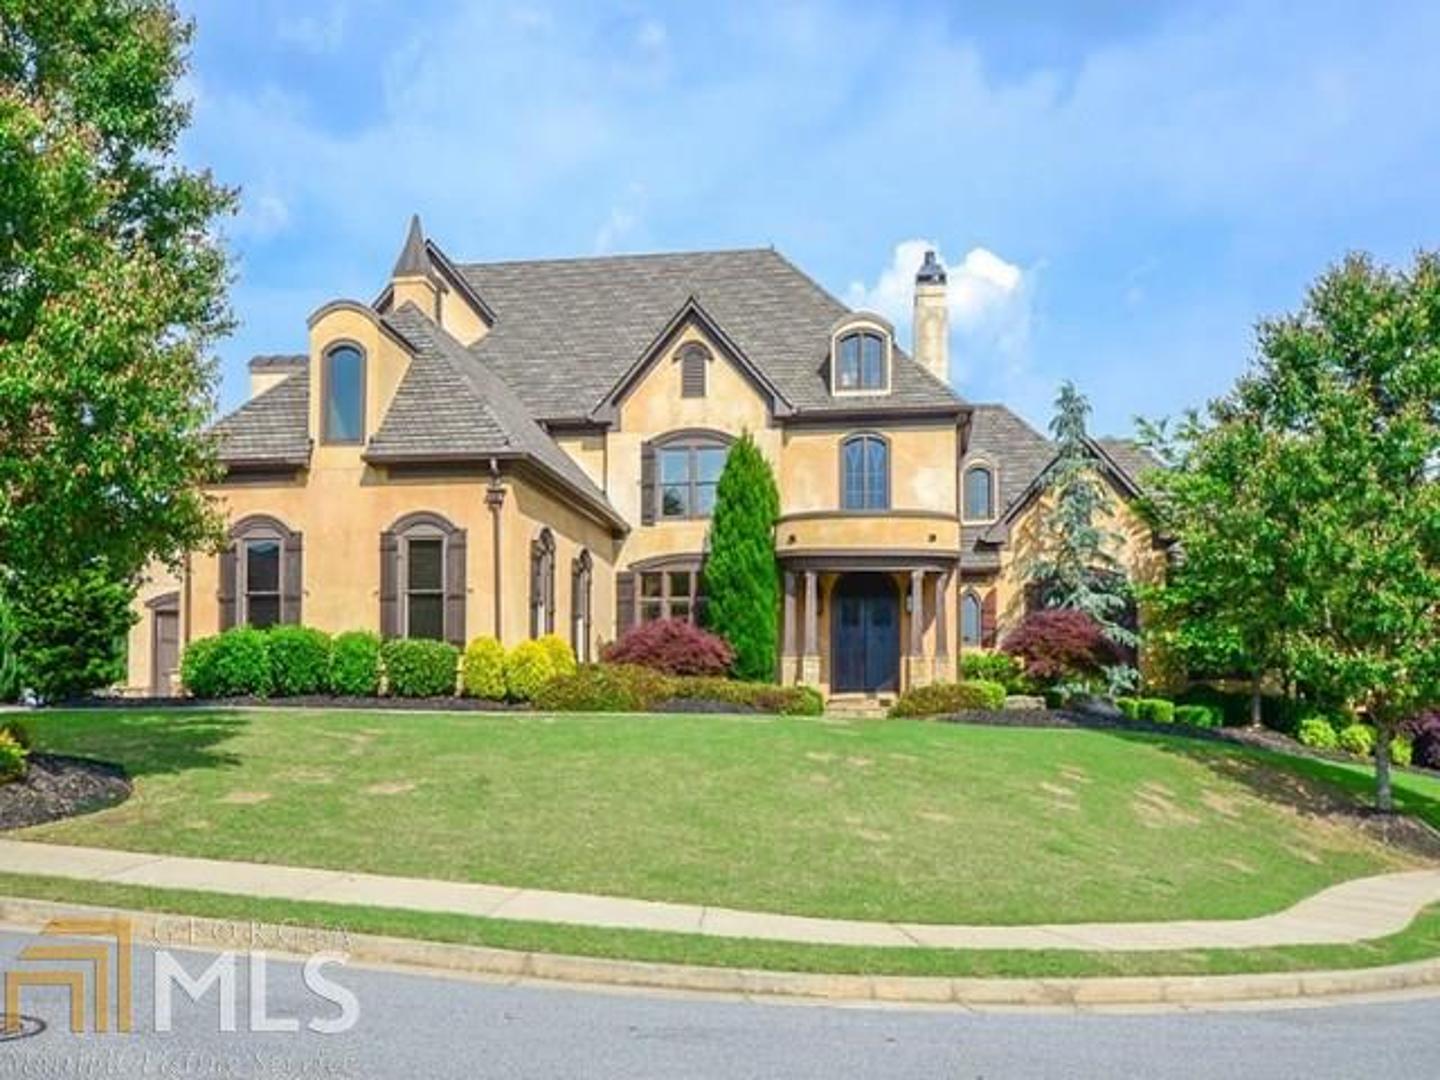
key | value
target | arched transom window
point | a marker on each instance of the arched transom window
(865, 473)
(979, 493)
(860, 361)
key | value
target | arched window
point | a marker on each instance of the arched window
(343, 390)
(260, 574)
(422, 579)
(860, 361)
(542, 584)
(865, 473)
(679, 474)
(693, 360)
(580, 585)
(972, 614)
(979, 493)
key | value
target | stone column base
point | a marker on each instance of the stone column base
(919, 671)
(945, 669)
(810, 670)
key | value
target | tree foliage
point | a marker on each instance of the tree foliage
(71, 633)
(1341, 534)
(112, 289)
(742, 585)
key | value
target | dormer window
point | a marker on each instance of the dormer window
(979, 493)
(343, 395)
(860, 356)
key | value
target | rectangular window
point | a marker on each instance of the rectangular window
(689, 475)
(670, 594)
(262, 583)
(425, 588)
(675, 482)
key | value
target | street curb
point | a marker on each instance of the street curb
(195, 932)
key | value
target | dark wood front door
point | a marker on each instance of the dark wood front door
(865, 634)
(166, 656)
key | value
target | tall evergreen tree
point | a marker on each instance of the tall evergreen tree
(1073, 563)
(112, 290)
(742, 580)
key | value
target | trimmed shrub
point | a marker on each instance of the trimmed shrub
(419, 667)
(1357, 739)
(13, 757)
(673, 646)
(17, 731)
(562, 656)
(355, 664)
(70, 633)
(1317, 733)
(1060, 643)
(1157, 711)
(1201, 716)
(1424, 732)
(998, 667)
(605, 688)
(299, 660)
(528, 667)
(762, 697)
(939, 699)
(1400, 751)
(482, 672)
(1129, 707)
(233, 664)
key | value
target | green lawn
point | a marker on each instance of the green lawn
(861, 819)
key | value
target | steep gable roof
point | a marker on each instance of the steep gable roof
(450, 406)
(567, 330)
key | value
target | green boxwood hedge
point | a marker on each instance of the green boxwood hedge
(939, 699)
(299, 660)
(233, 664)
(417, 667)
(355, 664)
(633, 688)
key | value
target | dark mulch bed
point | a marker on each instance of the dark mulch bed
(705, 706)
(309, 701)
(1075, 718)
(57, 787)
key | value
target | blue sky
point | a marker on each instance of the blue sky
(1120, 189)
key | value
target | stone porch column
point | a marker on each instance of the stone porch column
(919, 667)
(788, 672)
(810, 650)
(943, 670)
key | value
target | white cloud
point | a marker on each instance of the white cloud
(989, 301)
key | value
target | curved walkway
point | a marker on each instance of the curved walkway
(1352, 911)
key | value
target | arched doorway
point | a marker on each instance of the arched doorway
(864, 634)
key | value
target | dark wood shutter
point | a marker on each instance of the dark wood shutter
(549, 569)
(987, 620)
(389, 585)
(647, 483)
(624, 601)
(692, 373)
(455, 588)
(229, 560)
(292, 585)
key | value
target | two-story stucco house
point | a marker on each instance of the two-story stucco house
(522, 448)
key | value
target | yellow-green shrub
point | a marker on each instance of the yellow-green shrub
(482, 673)
(528, 667)
(562, 656)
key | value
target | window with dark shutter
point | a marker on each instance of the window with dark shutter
(693, 358)
(684, 474)
(971, 619)
(542, 584)
(261, 576)
(422, 579)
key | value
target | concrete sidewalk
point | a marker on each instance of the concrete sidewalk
(1353, 911)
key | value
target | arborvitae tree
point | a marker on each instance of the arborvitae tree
(1074, 565)
(742, 580)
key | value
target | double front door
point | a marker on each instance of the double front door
(865, 634)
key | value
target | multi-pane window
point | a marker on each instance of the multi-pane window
(425, 587)
(670, 594)
(865, 473)
(344, 385)
(689, 471)
(262, 582)
(860, 362)
(979, 494)
(971, 619)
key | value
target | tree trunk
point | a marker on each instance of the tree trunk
(1256, 713)
(1384, 800)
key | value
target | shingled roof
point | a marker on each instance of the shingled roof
(567, 330)
(450, 405)
(272, 428)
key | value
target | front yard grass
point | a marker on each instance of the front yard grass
(884, 819)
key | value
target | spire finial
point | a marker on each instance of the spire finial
(931, 272)
(413, 258)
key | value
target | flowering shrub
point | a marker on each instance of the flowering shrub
(1060, 643)
(673, 646)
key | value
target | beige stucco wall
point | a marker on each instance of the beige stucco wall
(922, 465)
(157, 580)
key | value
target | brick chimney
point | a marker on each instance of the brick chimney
(932, 318)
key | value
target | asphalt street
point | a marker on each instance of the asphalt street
(418, 1026)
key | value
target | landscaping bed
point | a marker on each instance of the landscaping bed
(56, 786)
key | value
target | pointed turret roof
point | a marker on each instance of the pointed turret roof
(414, 259)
